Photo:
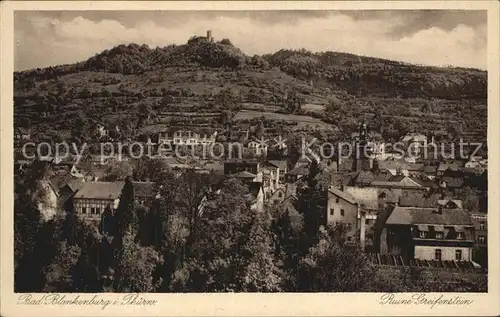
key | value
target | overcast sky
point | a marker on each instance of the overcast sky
(47, 38)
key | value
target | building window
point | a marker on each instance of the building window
(482, 226)
(98, 211)
(367, 221)
(84, 210)
(460, 235)
(332, 211)
(439, 235)
(481, 239)
(342, 212)
(437, 254)
(337, 200)
(423, 234)
(92, 210)
(458, 255)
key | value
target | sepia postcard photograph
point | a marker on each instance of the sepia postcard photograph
(253, 158)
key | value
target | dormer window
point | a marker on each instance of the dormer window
(423, 229)
(460, 235)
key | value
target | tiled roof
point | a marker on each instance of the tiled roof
(75, 184)
(415, 215)
(414, 166)
(279, 164)
(366, 197)
(453, 182)
(299, 170)
(245, 174)
(339, 179)
(342, 194)
(429, 169)
(24, 130)
(418, 199)
(425, 182)
(363, 177)
(100, 190)
(450, 202)
(444, 166)
(392, 195)
(397, 181)
(391, 165)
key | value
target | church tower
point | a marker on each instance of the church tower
(362, 160)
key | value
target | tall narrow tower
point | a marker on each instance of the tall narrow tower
(362, 159)
(209, 36)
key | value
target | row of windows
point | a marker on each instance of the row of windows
(440, 235)
(481, 239)
(438, 255)
(332, 212)
(93, 210)
(90, 203)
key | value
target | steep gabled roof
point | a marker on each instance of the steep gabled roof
(74, 184)
(453, 182)
(397, 181)
(245, 175)
(450, 203)
(366, 197)
(429, 169)
(345, 196)
(100, 190)
(279, 164)
(445, 166)
(419, 199)
(24, 130)
(391, 195)
(299, 170)
(415, 215)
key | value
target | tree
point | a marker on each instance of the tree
(261, 271)
(136, 268)
(312, 196)
(294, 102)
(125, 214)
(226, 42)
(147, 169)
(455, 131)
(86, 276)
(332, 266)
(57, 274)
(118, 171)
(288, 226)
(213, 262)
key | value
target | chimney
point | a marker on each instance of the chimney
(440, 210)
(339, 161)
(362, 229)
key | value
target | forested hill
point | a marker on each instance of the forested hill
(126, 78)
